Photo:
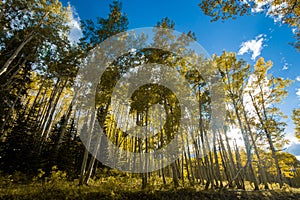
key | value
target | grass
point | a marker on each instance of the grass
(126, 187)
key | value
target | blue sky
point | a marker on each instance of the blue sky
(257, 32)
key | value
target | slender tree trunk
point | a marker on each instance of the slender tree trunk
(8, 115)
(66, 118)
(218, 173)
(239, 181)
(30, 113)
(225, 162)
(86, 152)
(247, 145)
(28, 38)
(269, 139)
(175, 175)
(92, 162)
(239, 165)
(11, 79)
(49, 120)
(16, 52)
(48, 106)
(261, 167)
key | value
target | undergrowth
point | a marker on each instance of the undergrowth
(114, 185)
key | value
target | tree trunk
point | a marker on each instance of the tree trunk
(269, 138)
(247, 145)
(92, 162)
(21, 46)
(16, 52)
(86, 152)
(260, 166)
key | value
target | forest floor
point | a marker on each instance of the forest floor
(126, 187)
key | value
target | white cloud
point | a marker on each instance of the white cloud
(270, 7)
(255, 46)
(285, 67)
(298, 92)
(260, 6)
(74, 24)
(294, 147)
(298, 78)
(285, 64)
(294, 30)
(273, 9)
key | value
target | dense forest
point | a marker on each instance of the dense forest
(43, 114)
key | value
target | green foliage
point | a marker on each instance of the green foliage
(34, 53)
(118, 188)
(296, 119)
(286, 10)
(95, 33)
(42, 157)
